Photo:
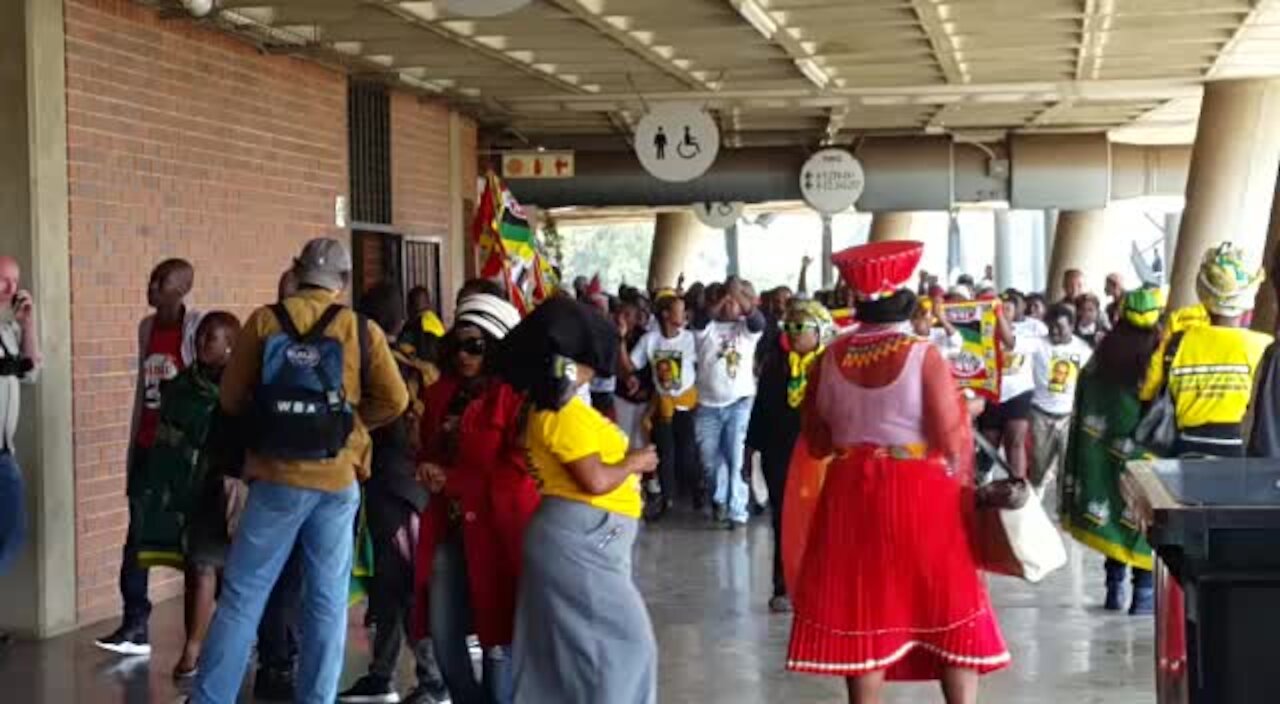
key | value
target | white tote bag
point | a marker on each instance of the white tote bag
(1020, 542)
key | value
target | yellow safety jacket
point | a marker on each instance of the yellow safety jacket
(1211, 377)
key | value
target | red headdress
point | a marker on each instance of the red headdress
(877, 270)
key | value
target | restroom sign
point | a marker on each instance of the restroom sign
(677, 141)
(831, 181)
(538, 165)
(719, 216)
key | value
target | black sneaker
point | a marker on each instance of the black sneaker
(128, 639)
(370, 689)
(425, 694)
(719, 513)
(272, 685)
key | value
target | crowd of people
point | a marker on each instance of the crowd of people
(488, 481)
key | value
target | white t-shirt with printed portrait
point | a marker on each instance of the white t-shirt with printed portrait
(1056, 369)
(673, 361)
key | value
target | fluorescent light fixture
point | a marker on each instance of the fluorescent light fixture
(813, 72)
(758, 18)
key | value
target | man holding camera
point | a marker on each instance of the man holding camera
(19, 363)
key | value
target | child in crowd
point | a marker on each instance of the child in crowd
(1091, 326)
(670, 353)
(1056, 363)
(1036, 306)
(187, 505)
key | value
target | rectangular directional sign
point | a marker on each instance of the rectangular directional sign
(537, 165)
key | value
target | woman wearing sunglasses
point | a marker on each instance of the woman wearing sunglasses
(472, 530)
(775, 418)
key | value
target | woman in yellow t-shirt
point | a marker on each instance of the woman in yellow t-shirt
(582, 633)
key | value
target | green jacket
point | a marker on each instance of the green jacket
(170, 481)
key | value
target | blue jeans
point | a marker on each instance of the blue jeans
(13, 512)
(722, 437)
(276, 517)
(451, 624)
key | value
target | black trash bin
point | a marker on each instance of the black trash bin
(1215, 526)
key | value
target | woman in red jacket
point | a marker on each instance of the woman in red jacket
(469, 551)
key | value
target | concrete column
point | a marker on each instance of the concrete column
(1050, 234)
(675, 234)
(38, 593)
(734, 263)
(1080, 243)
(1004, 248)
(1232, 180)
(1265, 316)
(1039, 254)
(955, 249)
(827, 278)
(1172, 224)
(458, 244)
(890, 225)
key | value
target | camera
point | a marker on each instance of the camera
(15, 366)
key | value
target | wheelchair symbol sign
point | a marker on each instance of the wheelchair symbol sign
(718, 215)
(677, 141)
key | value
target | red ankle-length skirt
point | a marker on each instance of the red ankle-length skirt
(888, 579)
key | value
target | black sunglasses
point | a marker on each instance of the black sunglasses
(475, 346)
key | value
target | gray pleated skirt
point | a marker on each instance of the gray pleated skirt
(582, 632)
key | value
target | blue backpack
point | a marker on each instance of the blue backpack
(301, 407)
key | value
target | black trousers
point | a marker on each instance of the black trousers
(679, 469)
(391, 593)
(133, 577)
(774, 463)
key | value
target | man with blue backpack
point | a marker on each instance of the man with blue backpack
(310, 378)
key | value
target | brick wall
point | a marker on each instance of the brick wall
(181, 142)
(419, 165)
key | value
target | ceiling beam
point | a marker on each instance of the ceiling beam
(946, 52)
(1250, 19)
(799, 52)
(427, 17)
(642, 44)
(1051, 113)
(1096, 20)
(928, 94)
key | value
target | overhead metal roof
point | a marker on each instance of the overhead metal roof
(778, 72)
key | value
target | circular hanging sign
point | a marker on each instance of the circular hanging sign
(717, 215)
(677, 141)
(831, 181)
(482, 8)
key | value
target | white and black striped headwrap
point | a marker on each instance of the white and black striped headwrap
(489, 313)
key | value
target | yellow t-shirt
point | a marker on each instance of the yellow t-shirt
(576, 431)
(1212, 375)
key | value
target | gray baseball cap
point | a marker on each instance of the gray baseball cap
(324, 262)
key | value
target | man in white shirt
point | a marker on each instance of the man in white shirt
(726, 350)
(1056, 364)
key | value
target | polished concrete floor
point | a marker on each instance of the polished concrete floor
(706, 590)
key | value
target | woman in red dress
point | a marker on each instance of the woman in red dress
(880, 504)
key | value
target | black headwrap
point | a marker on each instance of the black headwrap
(537, 356)
(896, 308)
